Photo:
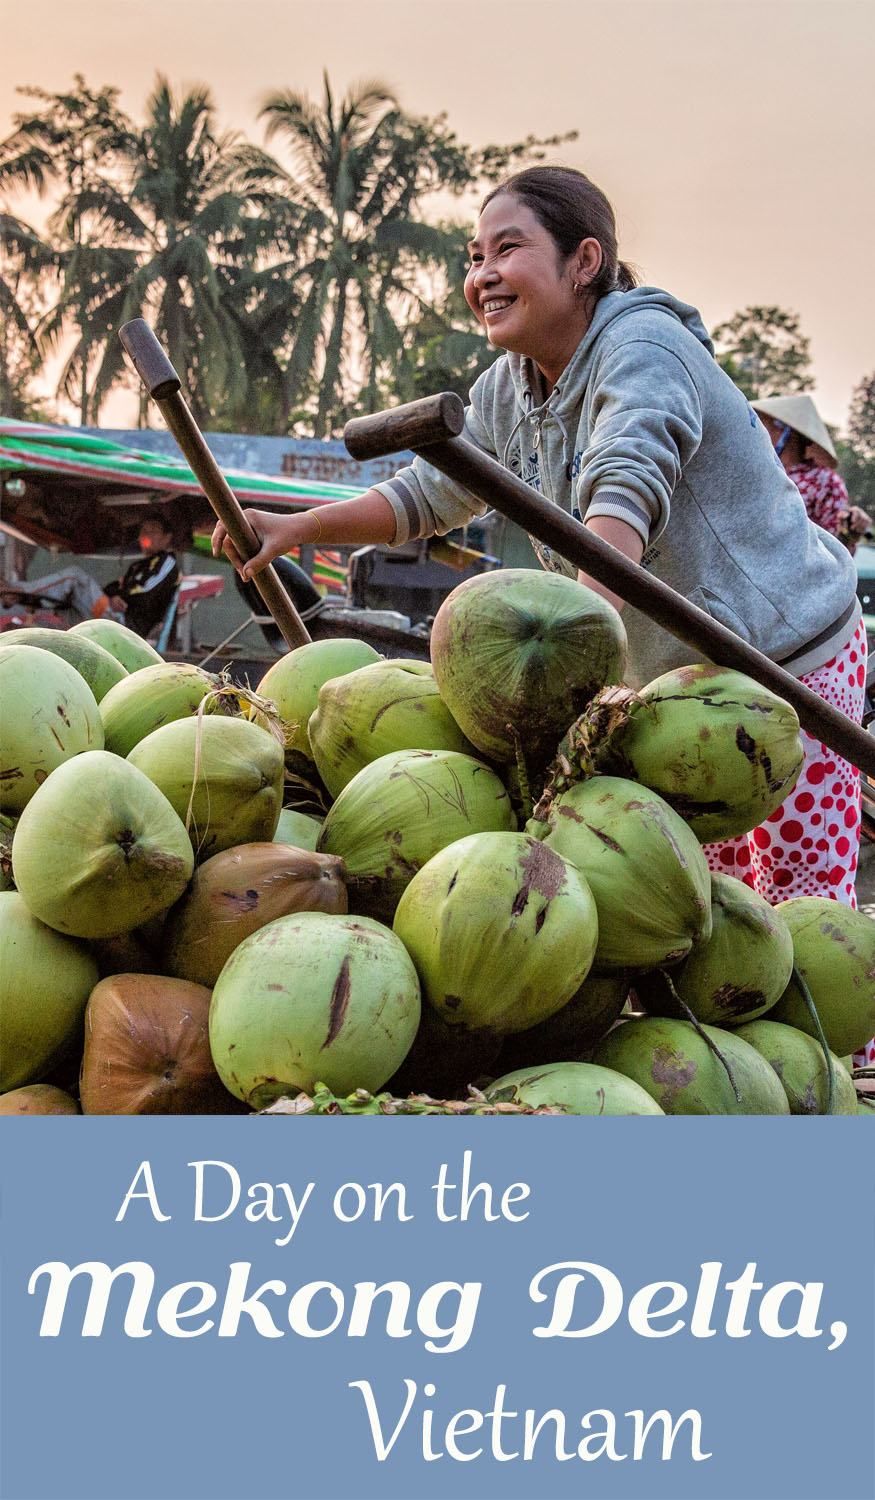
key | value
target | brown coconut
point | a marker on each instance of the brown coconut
(147, 1050)
(237, 892)
(38, 1099)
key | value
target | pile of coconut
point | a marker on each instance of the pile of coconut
(479, 881)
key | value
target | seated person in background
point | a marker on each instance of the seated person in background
(138, 600)
(141, 597)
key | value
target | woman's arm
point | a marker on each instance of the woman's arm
(626, 540)
(418, 501)
(646, 427)
(367, 518)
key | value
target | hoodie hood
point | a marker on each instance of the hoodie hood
(528, 382)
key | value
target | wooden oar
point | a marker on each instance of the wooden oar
(164, 386)
(431, 427)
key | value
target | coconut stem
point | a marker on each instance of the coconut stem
(323, 1102)
(812, 1011)
(700, 1030)
(582, 750)
(228, 697)
(522, 772)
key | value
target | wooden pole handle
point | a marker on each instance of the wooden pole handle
(164, 386)
(431, 420)
(148, 359)
(484, 477)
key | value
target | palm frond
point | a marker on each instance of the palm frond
(25, 166)
(11, 309)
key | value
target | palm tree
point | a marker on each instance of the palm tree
(359, 169)
(70, 141)
(275, 291)
(179, 248)
(26, 261)
(151, 222)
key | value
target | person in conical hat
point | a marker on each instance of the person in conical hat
(802, 441)
(795, 417)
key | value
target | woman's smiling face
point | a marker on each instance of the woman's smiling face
(520, 288)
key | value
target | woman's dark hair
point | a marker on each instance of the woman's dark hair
(156, 518)
(571, 209)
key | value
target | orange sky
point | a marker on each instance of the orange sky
(735, 139)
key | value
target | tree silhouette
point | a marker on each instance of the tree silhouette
(26, 261)
(69, 143)
(286, 293)
(765, 352)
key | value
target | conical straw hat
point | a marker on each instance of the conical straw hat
(800, 413)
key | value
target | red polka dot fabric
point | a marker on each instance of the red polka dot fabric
(811, 844)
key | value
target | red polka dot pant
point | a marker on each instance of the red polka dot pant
(810, 845)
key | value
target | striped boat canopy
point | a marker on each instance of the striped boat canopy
(73, 492)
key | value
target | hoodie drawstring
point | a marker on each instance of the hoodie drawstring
(513, 432)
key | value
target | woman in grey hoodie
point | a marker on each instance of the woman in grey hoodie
(609, 402)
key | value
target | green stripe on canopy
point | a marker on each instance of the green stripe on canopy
(30, 448)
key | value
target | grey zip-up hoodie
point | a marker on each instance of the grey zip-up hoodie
(644, 425)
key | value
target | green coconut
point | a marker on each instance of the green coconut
(502, 931)
(45, 981)
(236, 770)
(38, 1099)
(297, 828)
(578, 1088)
(99, 850)
(645, 867)
(800, 1063)
(400, 811)
(834, 951)
(150, 697)
(390, 705)
(293, 682)
(49, 715)
(98, 668)
(738, 973)
(525, 649)
(676, 1066)
(313, 998)
(121, 642)
(721, 750)
(571, 1034)
(238, 891)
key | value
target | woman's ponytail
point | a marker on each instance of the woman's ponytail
(627, 278)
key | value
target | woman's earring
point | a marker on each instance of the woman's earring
(578, 289)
